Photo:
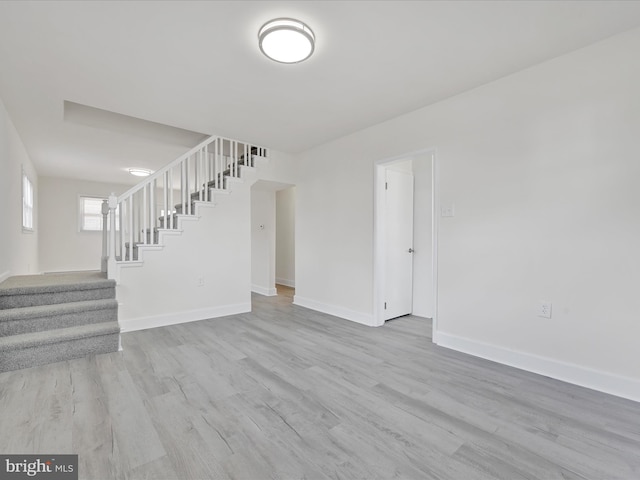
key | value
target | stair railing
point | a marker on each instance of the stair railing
(137, 216)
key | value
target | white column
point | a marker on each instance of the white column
(105, 255)
(111, 261)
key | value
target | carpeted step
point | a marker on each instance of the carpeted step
(16, 321)
(40, 348)
(174, 225)
(222, 178)
(148, 232)
(127, 247)
(178, 208)
(33, 290)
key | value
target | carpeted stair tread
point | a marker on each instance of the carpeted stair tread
(42, 348)
(36, 284)
(39, 311)
(61, 335)
(56, 317)
(36, 290)
(16, 321)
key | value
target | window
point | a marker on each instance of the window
(27, 203)
(91, 214)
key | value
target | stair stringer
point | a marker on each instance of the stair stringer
(202, 273)
(214, 245)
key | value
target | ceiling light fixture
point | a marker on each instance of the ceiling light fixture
(140, 172)
(286, 40)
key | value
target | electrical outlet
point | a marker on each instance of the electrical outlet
(544, 309)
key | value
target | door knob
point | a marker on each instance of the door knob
(411, 250)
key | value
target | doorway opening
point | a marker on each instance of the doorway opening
(286, 243)
(273, 239)
(405, 237)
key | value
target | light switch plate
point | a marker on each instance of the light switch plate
(448, 210)
(544, 309)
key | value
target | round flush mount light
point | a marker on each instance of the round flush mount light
(140, 172)
(286, 40)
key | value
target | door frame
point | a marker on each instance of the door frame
(379, 237)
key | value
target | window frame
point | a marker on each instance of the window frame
(82, 215)
(28, 203)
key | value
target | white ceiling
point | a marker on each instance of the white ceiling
(196, 66)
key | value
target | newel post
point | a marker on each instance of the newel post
(105, 256)
(111, 253)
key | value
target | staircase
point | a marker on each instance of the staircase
(141, 218)
(52, 318)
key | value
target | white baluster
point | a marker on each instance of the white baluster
(187, 180)
(136, 217)
(183, 190)
(215, 163)
(131, 228)
(208, 173)
(235, 158)
(152, 205)
(230, 158)
(201, 178)
(171, 217)
(145, 216)
(123, 212)
(218, 170)
(111, 252)
(165, 197)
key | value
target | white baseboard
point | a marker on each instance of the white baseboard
(57, 272)
(336, 311)
(163, 320)
(586, 377)
(422, 313)
(268, 292)
(4, 276)
(286, 282)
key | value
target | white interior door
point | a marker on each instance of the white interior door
(398, 275)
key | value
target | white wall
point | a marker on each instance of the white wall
(263, 240)
(285, 237)
(422, 244)
(18, 248)
(62, 246)
(543, 169)
(201, 274)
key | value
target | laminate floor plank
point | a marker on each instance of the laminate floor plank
(158, 469)
(37, 412)
(133, 434)
(286, 393)
(176, 422)
(92, 429)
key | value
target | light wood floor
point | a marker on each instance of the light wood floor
(288, 393)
